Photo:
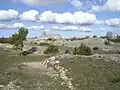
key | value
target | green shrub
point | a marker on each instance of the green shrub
(95, 48)
(67, 51)
(51, 49)
(115, 80)
(107, 43)
(118, 52)
(44, 44)
(82, 50)
(103, 37)
(35, 43)
(115, 40)
(94, 36)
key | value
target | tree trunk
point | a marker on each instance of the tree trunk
(21, 49)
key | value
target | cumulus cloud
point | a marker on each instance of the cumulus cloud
(76, 18)
(76, 3)
(12, 26)
(96, 8)
(103, 29)
(36, 27)
(8, 14)
(43, 2)
(72, 28)
(110, 5)
(19, 25)
(79, 18)
(113, 22)
(29, 15)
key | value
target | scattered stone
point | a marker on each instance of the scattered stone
(52, 62)
(1, 86)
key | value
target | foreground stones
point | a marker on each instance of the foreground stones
(52, 62)
(10, 86)
(53, 69)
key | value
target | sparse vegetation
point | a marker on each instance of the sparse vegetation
(35, 42)
(85, 73)
(110, 38)
(67, 51)
(116, 40)
(44, 44)
(18, 38)
(115, 80)
(51, 49)
(5, 40)
(107, 42)
(82, 50)
(94, 36)
(95, 48)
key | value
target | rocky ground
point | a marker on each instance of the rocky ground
(100, 71)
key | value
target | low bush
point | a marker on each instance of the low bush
(115, 80)
(51, 49)
(35, 43)
(107, 43)
(82, 50)
(103, 37)
(115, 40)
(67, 51)
(95, 48)
(118, 52)
(44, 44)
(94, 36)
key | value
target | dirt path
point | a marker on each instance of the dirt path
(52, 68)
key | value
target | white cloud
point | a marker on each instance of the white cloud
(96, 8)
(76, 3)
(55, 28)
(83, 29)
(99, 22)
(69, 28)
(2, 26)
(103, 29)
(36, 27)
(80, 18)
(19, 25)
(72, 28)
(8, 14)
(29, 15)
(113, 22)
(110, 5)
(43, 2)
(12, 26)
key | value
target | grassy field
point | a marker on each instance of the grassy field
(87, 74)
(21, 77)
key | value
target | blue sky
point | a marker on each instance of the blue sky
(64, 17)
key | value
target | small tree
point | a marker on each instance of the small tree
(51, 49)
(82, 50)
(18, 38)
(109, 35)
